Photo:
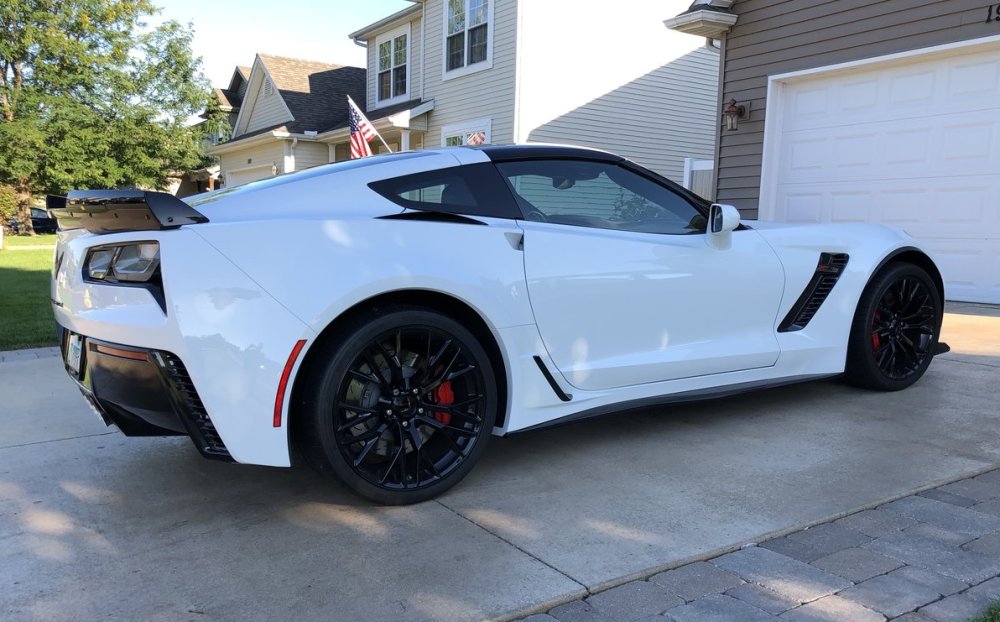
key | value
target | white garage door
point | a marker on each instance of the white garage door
(912, 143)
(246, 175)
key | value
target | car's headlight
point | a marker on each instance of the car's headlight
(135, 262)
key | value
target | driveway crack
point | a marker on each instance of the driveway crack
(54, 440)
(519, 548)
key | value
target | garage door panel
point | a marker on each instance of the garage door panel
(951, 85)
(956, 206)
(929, 146)
(971, 269)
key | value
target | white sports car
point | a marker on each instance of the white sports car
(382, 317)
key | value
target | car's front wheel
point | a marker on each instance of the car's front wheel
(896, 329)
(401, 405)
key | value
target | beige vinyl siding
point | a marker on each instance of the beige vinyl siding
(268, 111)
(308, 155)
(412, 66)
(485, 94)
(777, 37)
(269, 154)
(657, 120)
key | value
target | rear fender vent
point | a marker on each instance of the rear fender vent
(828, 271)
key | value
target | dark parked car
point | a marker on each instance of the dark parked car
(41, 222)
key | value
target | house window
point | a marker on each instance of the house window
(468, 25)
(393, 54)
(475, 132)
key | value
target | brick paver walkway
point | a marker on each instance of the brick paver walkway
(930, 557)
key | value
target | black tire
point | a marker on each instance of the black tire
(400, 405)
(895, 330)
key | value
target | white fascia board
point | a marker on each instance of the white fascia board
(402, 118)
(248, 142)
(386, 23)
(250, 99)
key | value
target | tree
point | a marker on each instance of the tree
(91, 96)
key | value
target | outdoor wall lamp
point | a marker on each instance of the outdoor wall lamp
(733, 112)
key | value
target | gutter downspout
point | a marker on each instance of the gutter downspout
(289, 163)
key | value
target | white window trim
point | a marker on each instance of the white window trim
(464, 127)
(467, 69)
(382, 38)
(695, 164)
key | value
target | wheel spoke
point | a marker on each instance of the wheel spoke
(388, 469)
(395, 367)
(370, 445)
(423, 458)
(461, 372)
(375, 368)
(366, 377)
(464, 415)
(357, 421)
(444, 427)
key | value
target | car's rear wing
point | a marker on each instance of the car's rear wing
(107, 211)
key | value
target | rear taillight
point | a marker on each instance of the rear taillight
(135, 262)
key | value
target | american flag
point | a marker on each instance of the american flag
(361, 131)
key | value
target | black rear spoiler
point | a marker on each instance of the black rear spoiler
(107, 211)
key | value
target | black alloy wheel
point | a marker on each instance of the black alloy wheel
(895, 330)
(405, 406)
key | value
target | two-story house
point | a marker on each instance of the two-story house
(454, 72)
(882, 111)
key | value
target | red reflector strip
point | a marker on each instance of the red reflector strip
(125, 354)
(279, 399)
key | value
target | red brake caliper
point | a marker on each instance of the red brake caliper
(875, 340)
(444, 396)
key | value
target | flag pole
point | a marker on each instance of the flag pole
(372, 124)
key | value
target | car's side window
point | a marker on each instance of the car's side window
(599, 194)
(471, 190)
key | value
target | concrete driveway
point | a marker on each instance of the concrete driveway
(94, 525)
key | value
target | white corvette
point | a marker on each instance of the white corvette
(382, 317)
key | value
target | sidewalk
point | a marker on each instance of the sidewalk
(9, 356)
(929, 557)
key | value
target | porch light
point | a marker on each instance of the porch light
(733, 112)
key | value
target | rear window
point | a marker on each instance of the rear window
(470, 190)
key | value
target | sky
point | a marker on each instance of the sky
(230, 32)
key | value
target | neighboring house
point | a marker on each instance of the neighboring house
(866, 110)
(231, 98)
(286, 104)
(209, 178)
(453, 72)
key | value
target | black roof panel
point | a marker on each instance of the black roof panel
(507, 153)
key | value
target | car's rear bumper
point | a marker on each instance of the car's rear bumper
(144, 392)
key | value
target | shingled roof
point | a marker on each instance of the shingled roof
(315, 93)
(229, 100)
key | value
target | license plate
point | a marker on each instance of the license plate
(74, 348)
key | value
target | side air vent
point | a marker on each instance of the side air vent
(196, 418)
(828, 271)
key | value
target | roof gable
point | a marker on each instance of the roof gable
(307, 95)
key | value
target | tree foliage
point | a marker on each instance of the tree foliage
(91, 96)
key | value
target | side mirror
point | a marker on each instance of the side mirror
(722, 218)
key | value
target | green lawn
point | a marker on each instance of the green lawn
(990, 615)
(25, 311)
(11, 241)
